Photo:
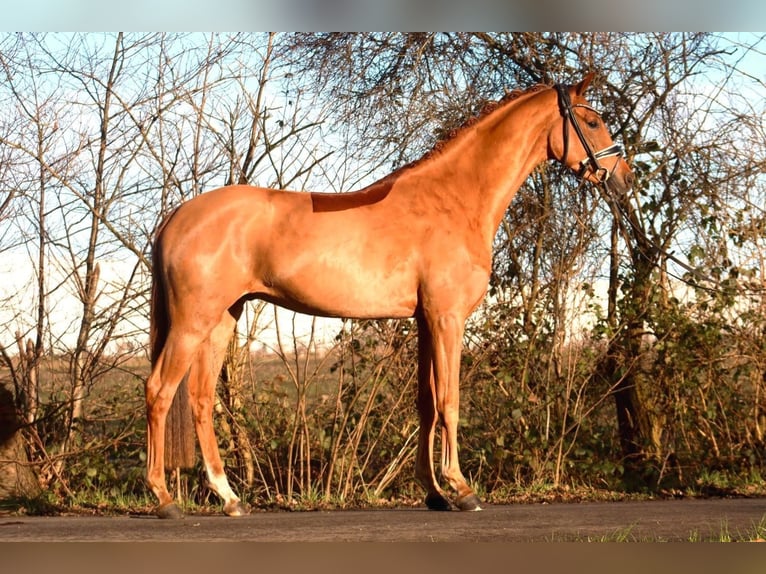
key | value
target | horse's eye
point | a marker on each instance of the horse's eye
(593, 124)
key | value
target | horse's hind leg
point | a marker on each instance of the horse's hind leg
(161, 386)
(202, 382)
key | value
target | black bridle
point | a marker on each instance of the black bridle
(591, 162)
(602, 175)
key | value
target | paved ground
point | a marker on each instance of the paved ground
(673, 520)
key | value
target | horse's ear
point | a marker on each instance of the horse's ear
(583, 85)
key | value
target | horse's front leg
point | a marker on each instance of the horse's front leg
(424, 465)
(447, 335)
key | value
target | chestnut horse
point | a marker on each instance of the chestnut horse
(417, 243)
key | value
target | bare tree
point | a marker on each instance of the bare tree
(102, 135)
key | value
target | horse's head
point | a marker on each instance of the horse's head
(583, 143)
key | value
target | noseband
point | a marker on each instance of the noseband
(567, 111)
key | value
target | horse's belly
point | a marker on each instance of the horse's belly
(350, 291)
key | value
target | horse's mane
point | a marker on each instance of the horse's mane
(487, 108)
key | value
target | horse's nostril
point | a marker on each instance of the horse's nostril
(629, 178)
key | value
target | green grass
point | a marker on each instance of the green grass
(756, 533)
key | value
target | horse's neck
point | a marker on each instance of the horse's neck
(481, 171)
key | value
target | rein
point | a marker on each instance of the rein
(567, 111)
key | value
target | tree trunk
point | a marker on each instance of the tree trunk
(625, 367)
(17, 479)
(634, 419)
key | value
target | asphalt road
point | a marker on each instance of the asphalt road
(662, 520)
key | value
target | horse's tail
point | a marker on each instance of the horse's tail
(179, 426)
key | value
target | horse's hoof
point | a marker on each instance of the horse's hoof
(170, 511)
(235, 508)
(469, 502)
(435, 501)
